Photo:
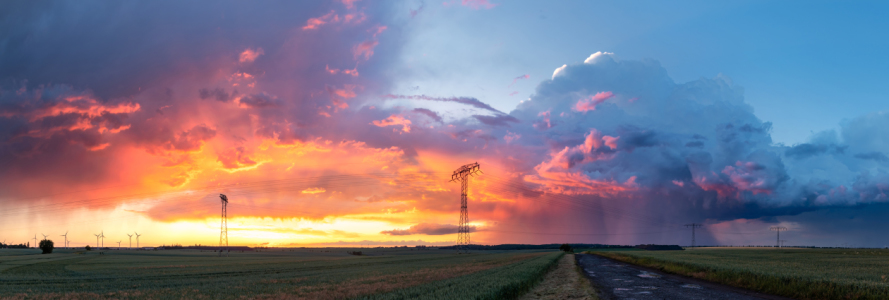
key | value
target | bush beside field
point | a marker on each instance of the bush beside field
(801, 274)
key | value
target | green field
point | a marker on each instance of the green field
(271, 273)
(795, 273)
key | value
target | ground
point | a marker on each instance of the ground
(564, 282)
(329, 273)
(618, 280)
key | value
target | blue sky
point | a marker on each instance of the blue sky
(805, 66)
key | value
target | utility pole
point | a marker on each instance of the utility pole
(223, 227)
(778, 229)
(693, 226)
(462, 174)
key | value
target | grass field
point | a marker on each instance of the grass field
(795, 273)
(273, 273)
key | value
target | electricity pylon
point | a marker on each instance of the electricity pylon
(783, 243)
(131, 241)
(66, 239)
(137, 238)
(693, 226)
(462, 174)
(778, 229)
(223, 227)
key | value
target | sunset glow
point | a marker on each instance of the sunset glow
(339, 123)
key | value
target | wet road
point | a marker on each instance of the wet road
(618, 280)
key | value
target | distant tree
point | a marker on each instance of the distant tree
(566, 248)
(46, 246)
(88, 248)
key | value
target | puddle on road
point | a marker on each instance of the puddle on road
(646, 274)
(646, 287)
(644, 292)
(691, 286)
(621, 290)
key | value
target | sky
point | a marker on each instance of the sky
(339, 123)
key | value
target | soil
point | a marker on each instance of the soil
(618, 280)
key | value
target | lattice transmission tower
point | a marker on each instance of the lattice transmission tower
(462, 174)
(693, 226)
(223, 228)
(778, 229)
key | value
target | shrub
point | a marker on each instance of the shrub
(566, 248)
(88, 248)
(46, 246)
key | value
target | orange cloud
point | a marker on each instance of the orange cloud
(314, 190)
(395, 120)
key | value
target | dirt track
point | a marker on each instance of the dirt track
(619, 280)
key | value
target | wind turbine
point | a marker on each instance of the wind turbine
(131, 241)
(137, 239)
(44, 236)
(118, 245)
(35, 240)
(97, 240)
(103, 238)
(66, 239)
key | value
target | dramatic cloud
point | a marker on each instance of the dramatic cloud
(268, 106)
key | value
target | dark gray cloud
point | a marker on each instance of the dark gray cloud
(427, 229)
(807, 150)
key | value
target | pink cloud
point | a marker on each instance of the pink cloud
(250, 55)
(478, 4)
(352, 72)
(364, 50)
(590, 103)
(350, 4)
(526, 76)
(395, 120)
(314, 23)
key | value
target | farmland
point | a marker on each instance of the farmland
(271, 273)
(796, 273)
